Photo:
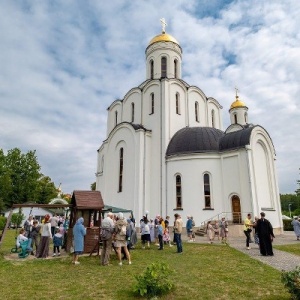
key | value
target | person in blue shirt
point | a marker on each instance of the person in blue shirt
(160, 235)
(189, 228)
(79, 231)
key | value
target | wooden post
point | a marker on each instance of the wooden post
(6, 226)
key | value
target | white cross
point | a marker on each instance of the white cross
(236, 91)
(163, 25)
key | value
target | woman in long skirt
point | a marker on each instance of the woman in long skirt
(43, 248)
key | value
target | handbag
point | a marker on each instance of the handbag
(226, 229)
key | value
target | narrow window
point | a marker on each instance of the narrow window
(197, 111)
(151, 69)
(132, 112)
(152, 103)
(121, 170)
(175, 68)
(246, 118)
(213, 118)
(177, 104)
(163, 67)
(116, 118)
(207, 197)
(235, 118)
(178, 192)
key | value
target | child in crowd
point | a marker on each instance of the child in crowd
(166, 237)
(35, 234)
(57, 242)
(160, 235)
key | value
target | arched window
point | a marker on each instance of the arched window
(152, 103)
(178, 192)
(197, 111)
(151, 69)
(132, 112)
(235, 118)
(163, 67)
(213, 118)
(177, 104)
(207, 195)
(246, 116)
(116, 118)
(121, 170)
(175, 68)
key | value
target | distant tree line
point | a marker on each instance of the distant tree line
(21, 179)
(290, 203)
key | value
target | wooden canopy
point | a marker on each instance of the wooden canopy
(87, 200)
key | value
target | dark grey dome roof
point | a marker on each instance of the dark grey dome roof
(195, 140)
(236, 139)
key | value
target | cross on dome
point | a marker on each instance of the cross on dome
(163, 25)
(236, 92)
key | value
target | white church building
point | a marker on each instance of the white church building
(166, 152)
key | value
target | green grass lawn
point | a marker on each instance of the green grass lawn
(202, 272)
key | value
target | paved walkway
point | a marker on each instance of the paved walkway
(281, 260)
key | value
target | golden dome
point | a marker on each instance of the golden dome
(237, 103)
(163, 37)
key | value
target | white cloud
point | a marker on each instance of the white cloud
(64, 63)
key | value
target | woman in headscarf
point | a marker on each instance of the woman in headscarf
(43, 248)
(79, 231)
(120, 238)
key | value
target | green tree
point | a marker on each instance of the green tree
(93, 186)
(21, 180)
(17, 218)
(298, 189)
(45, 190)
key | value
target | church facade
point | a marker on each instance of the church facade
(166, 152)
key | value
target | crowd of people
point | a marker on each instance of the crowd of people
(39, 234)
(121, 234)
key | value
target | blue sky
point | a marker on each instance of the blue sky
(64, 62)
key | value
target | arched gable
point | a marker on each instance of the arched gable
(263, 155)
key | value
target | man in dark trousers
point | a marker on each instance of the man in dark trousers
(265, 233)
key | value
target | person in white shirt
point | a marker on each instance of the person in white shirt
(22, 238)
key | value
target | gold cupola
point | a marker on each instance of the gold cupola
(238, 111)
(163, 37)
(237, 103)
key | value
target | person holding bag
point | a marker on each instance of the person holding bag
(107, 237)
(247, 230)
(224, 230)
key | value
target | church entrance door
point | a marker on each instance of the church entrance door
(236, 210)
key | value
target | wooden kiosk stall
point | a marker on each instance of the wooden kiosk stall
(89, 205)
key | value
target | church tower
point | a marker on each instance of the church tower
(238, 112)
(163, 57)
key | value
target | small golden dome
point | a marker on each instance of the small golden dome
(163, 37)
(237, 103)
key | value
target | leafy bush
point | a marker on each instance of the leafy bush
(287, 226)
(291, 281)
(154, 281)
(2, 222)
(17, 218)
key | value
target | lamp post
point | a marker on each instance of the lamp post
(290, 204)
